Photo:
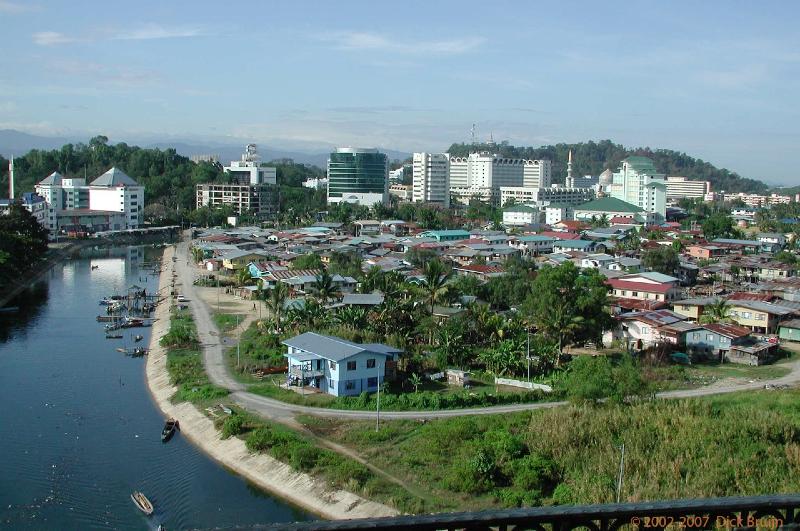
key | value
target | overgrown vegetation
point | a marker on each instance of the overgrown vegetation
(739, 444)
(185, 363)
(23, 243)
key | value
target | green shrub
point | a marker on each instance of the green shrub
(232, 426)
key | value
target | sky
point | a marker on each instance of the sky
(717, 80)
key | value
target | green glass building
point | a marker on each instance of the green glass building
(357, 175)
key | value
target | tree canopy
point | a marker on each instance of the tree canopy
(23, 242)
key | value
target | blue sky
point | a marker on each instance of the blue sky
(718, 80)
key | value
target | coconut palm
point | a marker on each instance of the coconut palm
(434, 283)
(716, 312)
(323, 287)
(372, 280)
(243, 277)
(276, 301)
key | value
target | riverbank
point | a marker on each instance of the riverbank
(272, 475)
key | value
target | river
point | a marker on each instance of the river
(78, 429)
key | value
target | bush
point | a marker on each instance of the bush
(304, 457)
(535, 473)
(232, 426)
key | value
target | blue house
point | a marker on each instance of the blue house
(337, 366)
(716, 340)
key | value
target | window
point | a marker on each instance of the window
(746, 315)
(350, 385)
(333, 365)
(645, 330)
(371, 363)
(709, 337)
(759, 317)
(696, 336)
(351, 365)
(372, 382)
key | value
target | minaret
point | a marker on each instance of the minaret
(11, 178)
(569, 182)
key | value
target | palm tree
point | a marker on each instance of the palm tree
(372, 279)
(324, 287)
(716, 312)
(434, 283)
(276, 301)
(243, 276)
(415, 381)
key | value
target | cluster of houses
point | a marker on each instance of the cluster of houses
(762, 295)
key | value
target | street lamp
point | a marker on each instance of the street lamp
(621, 471)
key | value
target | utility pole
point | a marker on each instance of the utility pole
(378, 406)
(529, 355)
(217, 293)
(621, 472)
(237, 341)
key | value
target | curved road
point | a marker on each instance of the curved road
(214, 360)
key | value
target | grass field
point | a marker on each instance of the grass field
(735, 444)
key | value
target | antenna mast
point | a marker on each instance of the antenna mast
(11, 178)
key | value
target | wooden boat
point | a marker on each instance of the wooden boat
(122, 349)
(9, 309)
(170, 427)
(141, 501)
(139, 351)
(113, 336)
(106, 301)
(138, 338)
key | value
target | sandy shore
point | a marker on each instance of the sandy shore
(278, 478)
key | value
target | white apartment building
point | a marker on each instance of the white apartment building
(679, 187)
(537, 173)
(431, 178)
(481, 175)
(519, 215)
(556, 212)
(401, 191)
(541, 197)
(248, 170)
(114, 191)
(636, 182)
(756, 200)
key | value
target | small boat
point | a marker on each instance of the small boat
(139, 351)
(113, 336)
(9, 309)
(170, 427)
(95, 267)
(122, 349)
(106, 302)
(138, 338)
(141, 501)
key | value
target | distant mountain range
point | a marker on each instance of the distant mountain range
(13, 142)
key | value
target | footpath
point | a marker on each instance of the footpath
(278, 478)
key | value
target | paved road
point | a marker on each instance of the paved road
(214, 359)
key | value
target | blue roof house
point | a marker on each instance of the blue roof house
(337, 366)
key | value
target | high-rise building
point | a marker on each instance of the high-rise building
(537, 173)
(431, 178)
(357, 175)
(678, 187)
(481, 175)
(636, 182)
(248, 170)
(254, 188)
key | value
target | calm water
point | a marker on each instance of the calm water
(78, 429)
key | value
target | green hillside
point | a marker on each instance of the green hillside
(591, 158)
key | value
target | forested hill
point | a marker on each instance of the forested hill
(591, 158)
(169, 178)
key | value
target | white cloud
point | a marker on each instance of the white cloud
(14, 7)
(363, 41)
(146, 32)
(157, 31)
(50, 38)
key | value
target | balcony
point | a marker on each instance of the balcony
(762, 512)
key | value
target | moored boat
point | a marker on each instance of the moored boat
(141, 501)
(113, 336)
(122, 349)
(170, 427)
(138, 338)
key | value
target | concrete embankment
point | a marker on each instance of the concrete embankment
(278, 478)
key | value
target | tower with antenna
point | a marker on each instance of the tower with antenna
(474, 135)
